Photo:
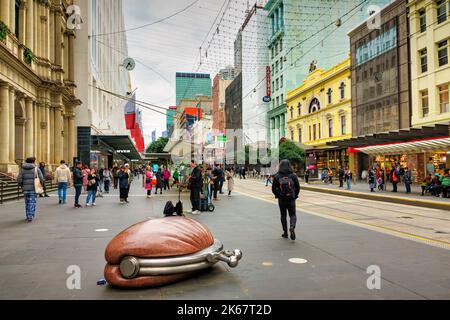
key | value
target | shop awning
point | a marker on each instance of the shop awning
(119, 144)
(418, 146)
(387, 140)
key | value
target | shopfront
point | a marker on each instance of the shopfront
(318, 160)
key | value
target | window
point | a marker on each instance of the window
(272, 70)
(443, 53)
(330, 128)
(281, 45)
(422, 20)
(343, 125)
(309, 133)
(276, 48)
(278, 101)
(292, 135)
(281, 82)
(342, 90)
(299, 135)
(276, 67)
(423, 60)
(273, 85)
(320, 131)
(17, 19)
(425, 103)
(441, 11)
(443, 98)
(292, 114)
(273, 55)
(299, 109)
(330, 94)
(281, 64)
(282, 98)
(277, 84)
(314, 106)
(314, 132)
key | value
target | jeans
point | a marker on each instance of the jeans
(78, 189)
(285, 207)
(62, 191)
(221, 186)
(195, 199)
(107, 183)
(341, 182)
(91, 194)
(349, 184)
(268, 181)
(408, 187)
(30, 204)
(100, 183)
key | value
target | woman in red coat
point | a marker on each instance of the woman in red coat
(148, 181)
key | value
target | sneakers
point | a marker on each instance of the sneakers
(88, 204)
(60, 201)
(122, 202)
(196, 213)
(284, 235)
(292, 231)
(93, 204)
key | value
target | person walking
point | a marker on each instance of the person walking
(230, 180)
(101, 179)
(307, 174)
(44, 174)
(216, 178)
(269, 180)
(78, 179)
(123, 177)
(222, 178)
(148, 181)
(348, 178)
(27, 181)
(394, 178)
(407, 179)
(244, 172)
(93, 182)
(195, 187)
(286, 189)
(86, 173)
(341, 174)
(176, 178)
(63, 180)
(107, 179)
(371, 179)
(130, 178)
(166, 177)
(115, 176)
(159, 181)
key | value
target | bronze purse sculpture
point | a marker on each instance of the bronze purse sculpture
(161, 251)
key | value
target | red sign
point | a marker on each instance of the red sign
(268, 87)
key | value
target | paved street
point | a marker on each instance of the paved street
(334, 236)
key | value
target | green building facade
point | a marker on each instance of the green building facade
(190, 85)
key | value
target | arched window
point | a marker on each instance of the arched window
(299, 109)
(292, 112)
(314, 106)
(342, 90)
(330, 95)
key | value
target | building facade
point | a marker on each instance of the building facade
(319, 111)
(37, 89)
(190, 85)
(430, 67)
(255, 60)
(100, 69)
(299, 40)
(170, 120)
(220, 84)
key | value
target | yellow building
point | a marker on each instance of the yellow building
(37, 89)
(319, 111)
(430, 65)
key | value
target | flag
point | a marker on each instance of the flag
(130, 113)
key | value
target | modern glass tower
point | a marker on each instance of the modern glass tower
(190, 85)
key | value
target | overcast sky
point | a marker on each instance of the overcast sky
(173, 45)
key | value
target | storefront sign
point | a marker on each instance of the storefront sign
(268, 86)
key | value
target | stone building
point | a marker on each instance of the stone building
(37, 91)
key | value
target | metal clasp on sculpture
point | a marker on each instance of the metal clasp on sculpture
(132, 267)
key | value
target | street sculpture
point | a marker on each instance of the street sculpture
(157, 252)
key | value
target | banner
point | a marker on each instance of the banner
(130, 113)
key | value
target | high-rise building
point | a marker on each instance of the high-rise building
(170, 119)
(38, 99)
(220, 83)
(101, 114)
(254, 64)
(190, 85)
(302, 36)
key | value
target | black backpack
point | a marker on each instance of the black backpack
(287, 189)
(169, 209)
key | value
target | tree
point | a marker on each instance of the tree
(289, 150)
(157, 146)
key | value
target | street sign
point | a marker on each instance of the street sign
(267, 99)
(129, 64)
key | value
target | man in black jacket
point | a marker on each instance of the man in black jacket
(286, 189)
(77, 182)
(195, 186)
